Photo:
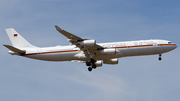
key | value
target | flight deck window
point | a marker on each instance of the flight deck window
(169, 42)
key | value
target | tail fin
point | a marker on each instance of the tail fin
(16, 39)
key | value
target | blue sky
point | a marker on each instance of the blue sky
(141, 78)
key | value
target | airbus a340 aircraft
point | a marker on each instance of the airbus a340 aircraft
(87, 50)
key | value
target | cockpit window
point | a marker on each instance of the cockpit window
(169, 42)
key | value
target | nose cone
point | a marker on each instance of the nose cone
(174, 46)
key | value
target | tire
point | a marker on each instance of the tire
(88, 64)
(94, 66)
(160, 58)
(90, 69)
(92, 60)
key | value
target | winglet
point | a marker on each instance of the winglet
(58, 28)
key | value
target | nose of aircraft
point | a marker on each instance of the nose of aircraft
(174, 46)
(170, 47)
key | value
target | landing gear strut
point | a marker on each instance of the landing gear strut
(160, 57)
(91, 63)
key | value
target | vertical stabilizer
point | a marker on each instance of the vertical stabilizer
(16, 39)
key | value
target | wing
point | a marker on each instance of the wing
(67, 34)
(89, 47)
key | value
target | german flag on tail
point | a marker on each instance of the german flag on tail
(15, 35)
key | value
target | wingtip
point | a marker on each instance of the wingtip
(58, 28)
(5, 45)
(9, 29)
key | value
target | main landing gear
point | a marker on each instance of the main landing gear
(160, 57)
(91, 63)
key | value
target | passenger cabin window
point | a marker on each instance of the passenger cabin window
(169, 42)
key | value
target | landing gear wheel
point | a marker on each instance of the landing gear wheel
(160, 57)
(94, 66)
(92, 61)
(88, 64)
(90, 69)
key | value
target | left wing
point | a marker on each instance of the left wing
(67, 34)
(88, 46)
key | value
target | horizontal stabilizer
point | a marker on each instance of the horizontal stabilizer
(15, 49)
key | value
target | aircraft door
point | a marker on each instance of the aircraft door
(160, 46)
(155, 47)
(39, 51)
(129, 51)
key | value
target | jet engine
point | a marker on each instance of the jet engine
(13, 53)
(111, 61)
(108, 51)
(98, 63)
(88, 42)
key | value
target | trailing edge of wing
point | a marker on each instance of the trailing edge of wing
(14, 49)
(67, 34)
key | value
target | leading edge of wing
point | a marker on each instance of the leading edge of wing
(67, 34)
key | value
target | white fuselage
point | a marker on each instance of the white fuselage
(123, 49)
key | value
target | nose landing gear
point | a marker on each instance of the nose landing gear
(160, 57)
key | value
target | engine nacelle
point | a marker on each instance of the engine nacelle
(12, 53)
(98, 63)
(88, 42)
(111, 61)
(108, 51)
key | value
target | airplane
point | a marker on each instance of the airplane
(87, 50)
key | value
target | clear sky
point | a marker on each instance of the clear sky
(141, 78)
